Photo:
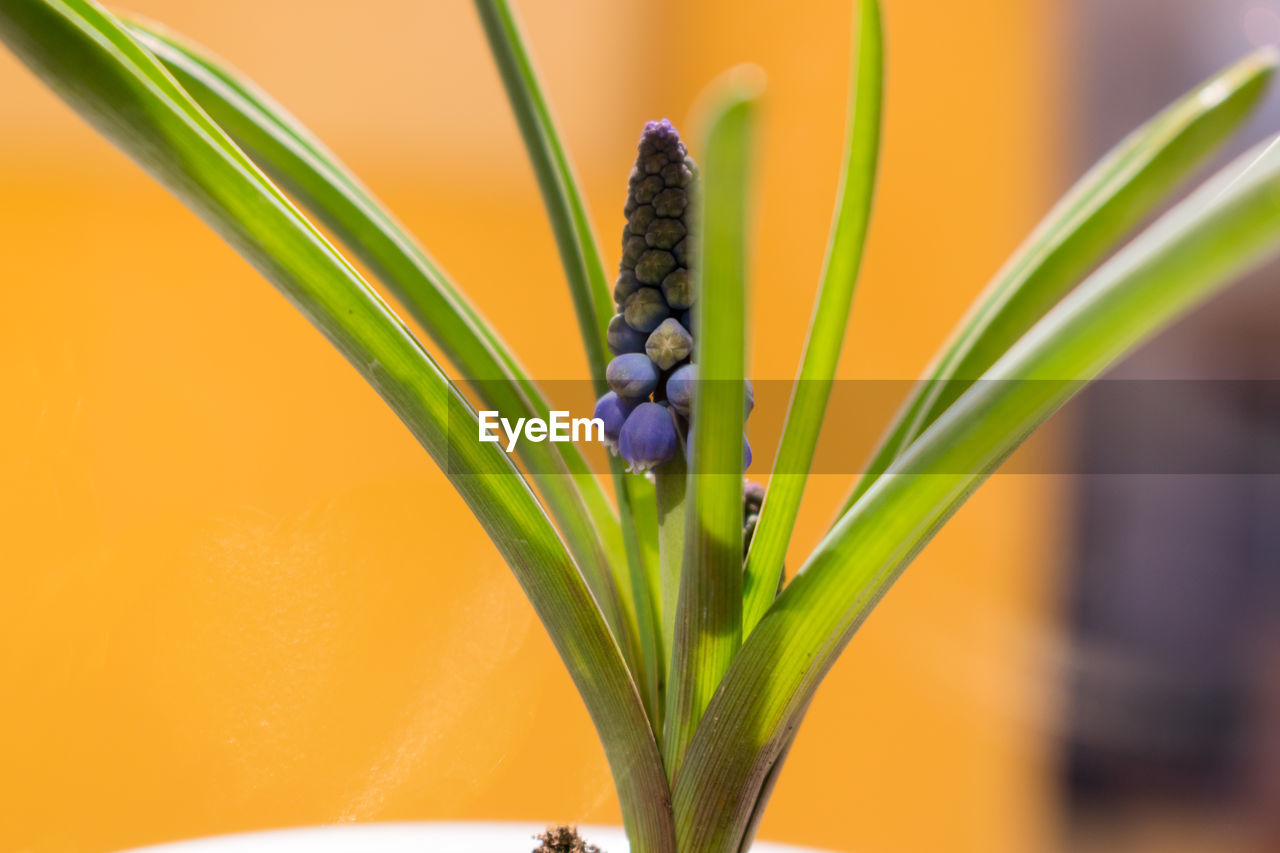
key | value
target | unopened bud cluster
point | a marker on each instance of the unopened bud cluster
(651, 378)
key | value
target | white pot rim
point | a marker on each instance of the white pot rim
(428, 837)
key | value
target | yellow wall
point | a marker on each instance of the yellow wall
(237, 594)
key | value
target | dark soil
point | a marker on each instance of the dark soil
(564, 839)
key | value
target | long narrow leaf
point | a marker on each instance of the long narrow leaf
(830, 318)
(294, 158)
(1113, 197)
(86, 55)
(579, 252)
(708, 626)
(1221, 231)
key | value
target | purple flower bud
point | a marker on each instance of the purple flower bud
(613, 410)
(654, 285)
(648, 438)
(752, 496)
(680, 386)
(632, 375)
(622, 338)
(669, 344)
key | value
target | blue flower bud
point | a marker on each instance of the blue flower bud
(669, 344)
(680, 386)
(632, 375)
(613, 410)
(648, 438)
(622, 338)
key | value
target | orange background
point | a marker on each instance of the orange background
(237, 594)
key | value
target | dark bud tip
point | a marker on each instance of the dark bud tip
(670, 202)
(625, 286)
(681, 252)
(664, 233)
(639, 221)
(645, 309)
(647, 190)
(633, 246)
(654, 265)
(677, 289)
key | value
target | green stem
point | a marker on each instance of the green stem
(670, 485)
(639, 522)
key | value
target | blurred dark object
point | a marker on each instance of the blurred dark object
(1173, 710)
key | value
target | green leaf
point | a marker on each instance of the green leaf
(1107, 203)
(708, 627)
(1224, 229)
(671, 483)
(579, 254)
(637, 504)
(291, 155)
(812, 388)
(89, 59)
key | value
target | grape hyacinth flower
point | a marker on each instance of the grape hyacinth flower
(633, 375)
(612, 410)
(622, 338)
(648, 438)
(680, 388)
(651, 335)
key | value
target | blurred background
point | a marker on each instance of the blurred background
(238, 595)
